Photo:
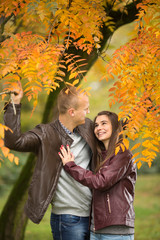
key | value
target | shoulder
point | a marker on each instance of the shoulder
(88, 122)
(127, 154)
(43, 129)
(122, 156)
(87, 126)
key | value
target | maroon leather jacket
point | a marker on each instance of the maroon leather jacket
(113, 189)
(45, 141)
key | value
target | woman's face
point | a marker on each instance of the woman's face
(103, 128)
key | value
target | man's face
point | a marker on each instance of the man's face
(82, 110)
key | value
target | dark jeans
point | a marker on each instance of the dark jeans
(69, 227)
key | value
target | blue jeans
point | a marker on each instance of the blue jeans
(96, 236)
(69, 227)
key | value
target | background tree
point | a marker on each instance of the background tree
(137, 88)
(47, 59)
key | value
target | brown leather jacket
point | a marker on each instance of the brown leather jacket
(113, 189)
(45, 141)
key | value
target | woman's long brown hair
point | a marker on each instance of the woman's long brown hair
(114, 139)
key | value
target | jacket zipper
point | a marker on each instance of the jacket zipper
(108, 201)
(93, 214)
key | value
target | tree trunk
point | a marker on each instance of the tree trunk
(13, 220)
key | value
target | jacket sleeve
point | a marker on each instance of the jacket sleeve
(14, 139)
(106, 177)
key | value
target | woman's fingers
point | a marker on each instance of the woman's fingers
(63, 151)
(68, 149)
(60, 155)
(65, 154)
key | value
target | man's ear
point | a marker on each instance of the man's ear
(71, 112)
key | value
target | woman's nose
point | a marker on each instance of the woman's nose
(99, 127)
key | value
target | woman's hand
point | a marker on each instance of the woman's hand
(66, 155)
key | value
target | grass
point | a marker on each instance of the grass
(40, 231)
(147, 209)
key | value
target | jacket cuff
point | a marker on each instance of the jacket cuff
(9, 106)
(69, 165)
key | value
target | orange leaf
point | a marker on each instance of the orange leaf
(126, 143)
(135, 155)
(112, 89)
(1, 131)
(10, 157)
(16, 160)
(139, 164)
(1, 143)
(5, 151)
(117, 150)
(135, 146)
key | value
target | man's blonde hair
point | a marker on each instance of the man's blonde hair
(68, 98)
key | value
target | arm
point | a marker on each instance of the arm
(107, 175)
(27, 142)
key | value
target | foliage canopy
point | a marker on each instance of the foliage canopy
(38, 58)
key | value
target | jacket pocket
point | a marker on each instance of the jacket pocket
(108, 202)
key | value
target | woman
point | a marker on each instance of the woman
(113, 181)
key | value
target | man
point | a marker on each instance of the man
(50, 183)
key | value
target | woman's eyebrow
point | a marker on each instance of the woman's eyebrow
(104, 121)
(101, 122)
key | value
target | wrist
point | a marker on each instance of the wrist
(16, 102)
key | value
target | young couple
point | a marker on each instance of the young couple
(92, 192)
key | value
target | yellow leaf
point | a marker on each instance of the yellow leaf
(1, 131)
(16, 160)
(117, 150)
(67, 91)
(135, 155)
(126, 143)
(123, 147)
(142, 159)
(59, 78)
(75, 82)
(5, 151)
(72, 75)
(155, 142)
(139, 164)
(10, 157)
(135, 146)
(70, 84)
(150, 163)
